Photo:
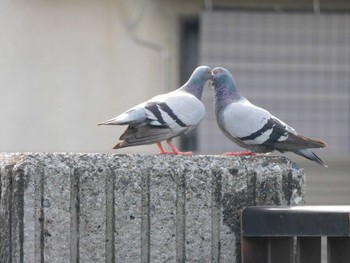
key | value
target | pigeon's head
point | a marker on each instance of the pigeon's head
(224, 84)
(201, 74)
(222, 78)
(200, 77)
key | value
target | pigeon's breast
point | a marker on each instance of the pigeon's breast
(241, 120)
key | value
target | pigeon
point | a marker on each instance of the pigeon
(165, 116)
(252, 127)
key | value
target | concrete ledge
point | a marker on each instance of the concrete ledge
(129, 208)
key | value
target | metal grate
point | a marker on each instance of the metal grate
(296, 65)
(294, 234)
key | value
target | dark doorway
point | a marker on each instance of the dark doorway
(189, 45)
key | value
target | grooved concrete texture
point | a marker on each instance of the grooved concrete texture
(68, 207)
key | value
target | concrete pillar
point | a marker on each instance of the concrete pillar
(69, 207)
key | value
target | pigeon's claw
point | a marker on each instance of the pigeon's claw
(175, 150)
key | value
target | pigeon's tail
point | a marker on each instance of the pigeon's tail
(313, 143)
(148, 134)
(310, 155)
(296, 142)
(120, 145)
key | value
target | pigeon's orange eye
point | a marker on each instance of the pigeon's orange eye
(218, 71)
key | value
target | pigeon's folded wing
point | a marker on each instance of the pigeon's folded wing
(179, 111)
(256, 126)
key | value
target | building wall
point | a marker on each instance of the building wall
(67, 65)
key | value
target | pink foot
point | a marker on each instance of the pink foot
(243, 153)
(175, 150)
(161, 149)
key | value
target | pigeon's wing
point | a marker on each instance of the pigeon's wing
(283, 138)
(166, 117)
(133, 116)
(178, 110)
(139, 115)
(256, 127)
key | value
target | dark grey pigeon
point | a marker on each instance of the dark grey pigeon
(165, 116)
(254, 128)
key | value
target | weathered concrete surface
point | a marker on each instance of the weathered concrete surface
(132, 208)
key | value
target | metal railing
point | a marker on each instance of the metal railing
(293, 234)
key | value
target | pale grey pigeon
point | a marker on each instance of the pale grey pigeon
(165, 116)
(252, 127)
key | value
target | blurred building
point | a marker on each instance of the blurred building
(67, 65)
